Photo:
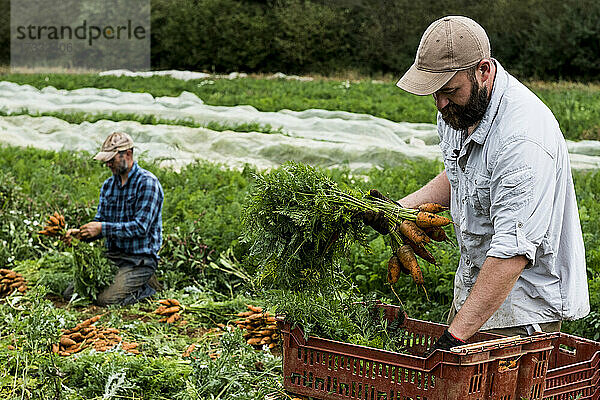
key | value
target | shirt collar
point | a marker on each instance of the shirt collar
(500, 84)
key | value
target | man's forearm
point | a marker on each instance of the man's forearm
(495, 281)
(436, 191)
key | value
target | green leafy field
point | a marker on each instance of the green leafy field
(201, 227)
(202, 258)
(576, 106)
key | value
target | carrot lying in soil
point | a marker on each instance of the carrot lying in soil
(429, 220)
(413, 232)
(433, 208)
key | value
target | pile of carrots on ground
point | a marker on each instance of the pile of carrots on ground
(409, 241)
(11, 281)
(169, 309)
(85, 335)
(55, 226)
(261, 328)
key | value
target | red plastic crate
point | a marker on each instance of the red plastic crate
(574, 370)
(330, 370)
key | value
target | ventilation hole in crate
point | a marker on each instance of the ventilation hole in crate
(304, 356)
(343, 389)
(475, 383)
(425, 381)
(311, 357)
(412, 376)
(406, 375)
(419, 379)
(295, 378)
(540, 369)
(334, 386)
(328, 386)
(309, 382)
(304, 378)
(382, 395)
(372, 393)
(329, 361)
(299, 353)
(319, 383)
(536, 391)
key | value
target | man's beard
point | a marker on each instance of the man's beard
(462, 117)
(121, 167)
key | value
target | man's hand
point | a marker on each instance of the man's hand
(377, 220)
(91, 230)
(71, 233)
(445, 342)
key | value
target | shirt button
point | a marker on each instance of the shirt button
(520, 224)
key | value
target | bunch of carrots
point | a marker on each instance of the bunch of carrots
(409, 234)
(169, 309)
(11, 281)
(55, 226)
(261, 328)
(86, 334)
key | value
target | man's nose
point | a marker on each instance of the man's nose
(441, 100)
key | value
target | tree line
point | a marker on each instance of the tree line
(534, 39)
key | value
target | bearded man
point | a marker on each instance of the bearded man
(129, 219)
(508, 183)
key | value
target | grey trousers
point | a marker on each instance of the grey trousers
(524, 330)
(130, 284)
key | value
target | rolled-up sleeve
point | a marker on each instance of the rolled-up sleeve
(521, 195)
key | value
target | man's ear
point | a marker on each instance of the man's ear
(485, 69)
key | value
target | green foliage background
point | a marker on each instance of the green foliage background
(201, 217)
(545, 39)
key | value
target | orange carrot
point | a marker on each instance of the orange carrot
(422, 252)
(429, 220)
(432, 208)
(417, 274)
(413, 232)
(394, 268)
(438, 234)
(171, 310)
(407, 257)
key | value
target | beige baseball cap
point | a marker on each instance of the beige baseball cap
(450, 44)
(115, 142)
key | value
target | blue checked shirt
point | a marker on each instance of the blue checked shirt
(131, 214)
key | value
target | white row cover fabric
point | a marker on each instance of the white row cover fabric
(319, 137)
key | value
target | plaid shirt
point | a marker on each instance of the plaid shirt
(131, 214)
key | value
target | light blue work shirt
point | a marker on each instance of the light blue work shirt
(512, 194)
